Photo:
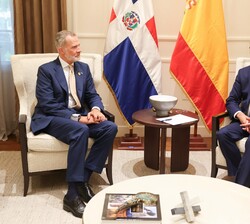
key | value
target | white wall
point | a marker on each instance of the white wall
(89, 19)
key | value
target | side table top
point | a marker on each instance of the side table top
(148, 117)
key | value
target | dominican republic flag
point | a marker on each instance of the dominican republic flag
(132, 64)
(200, 59)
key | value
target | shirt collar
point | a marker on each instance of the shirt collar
(63, 63)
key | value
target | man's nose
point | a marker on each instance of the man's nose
(78, 49)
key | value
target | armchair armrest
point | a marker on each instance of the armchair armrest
(22, 132)
(216, 126)
(108, 115)
(23, 142)
(216, 120)
(22, 119)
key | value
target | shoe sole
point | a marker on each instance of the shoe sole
(68, 209)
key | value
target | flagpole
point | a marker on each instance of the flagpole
(131, 141)
(131, 132)
(197, 142)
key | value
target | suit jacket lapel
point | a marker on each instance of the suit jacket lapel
(79, 79)
(60, 75)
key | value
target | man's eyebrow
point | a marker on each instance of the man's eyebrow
(77, 45)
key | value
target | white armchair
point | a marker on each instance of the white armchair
(43, 153)
(218, 160)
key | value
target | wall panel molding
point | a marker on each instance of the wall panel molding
(92, 35)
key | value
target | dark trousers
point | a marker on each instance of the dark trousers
(76, 135)
(237, 166)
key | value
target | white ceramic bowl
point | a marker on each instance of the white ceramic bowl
(162, 104)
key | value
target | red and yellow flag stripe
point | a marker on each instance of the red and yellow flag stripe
(200, 59)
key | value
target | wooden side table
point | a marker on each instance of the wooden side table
(155, 140)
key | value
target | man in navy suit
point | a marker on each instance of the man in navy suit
(237, 105)
(58, 114)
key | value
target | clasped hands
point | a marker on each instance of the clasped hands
(245, 122)
(93, 117)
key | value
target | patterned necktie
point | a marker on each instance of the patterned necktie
(72, 86)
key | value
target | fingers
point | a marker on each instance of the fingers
(246, 127)
(96, 117)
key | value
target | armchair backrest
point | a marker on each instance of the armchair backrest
(241, 62)
(25, 67)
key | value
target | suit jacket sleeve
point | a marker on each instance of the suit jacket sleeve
(239, 96)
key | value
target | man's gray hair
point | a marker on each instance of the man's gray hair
(61, 36)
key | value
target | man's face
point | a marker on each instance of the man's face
(71, 50)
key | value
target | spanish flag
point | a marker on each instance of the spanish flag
(200, 59)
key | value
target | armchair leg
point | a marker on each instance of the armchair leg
(109, 167)
(109, 173)
(26, 185)
(214, 171)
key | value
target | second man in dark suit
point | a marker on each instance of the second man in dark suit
(237, 105)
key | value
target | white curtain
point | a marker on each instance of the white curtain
(8, 115)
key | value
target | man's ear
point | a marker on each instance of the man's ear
(60, 50)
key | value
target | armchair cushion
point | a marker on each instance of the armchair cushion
(220, 160)
(47, 143)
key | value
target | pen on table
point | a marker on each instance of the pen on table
(167, 119)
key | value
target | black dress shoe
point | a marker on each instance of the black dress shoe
(85, 192)
(76, 206)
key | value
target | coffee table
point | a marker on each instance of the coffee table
(221, 202)
(155, 140)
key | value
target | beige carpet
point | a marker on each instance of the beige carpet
(43, 204)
